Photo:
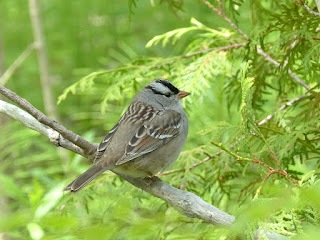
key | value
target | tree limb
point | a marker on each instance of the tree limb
(310, 11)
(86, 146)
(32, 123)
(185, 202)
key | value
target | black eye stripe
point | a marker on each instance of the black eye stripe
(168, 85)
(156, 92)
(153, 90)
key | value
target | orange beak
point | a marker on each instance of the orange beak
(183, 94)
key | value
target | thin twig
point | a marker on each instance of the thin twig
(214, 51)
(238, 157)
(16, 64)
(192, 166)
(245, 36)
(275, 63)
(283, 107)
(245, 189)
(257, 161)
(263, 182)
(222, 14)
(172, 60)
(310, 11)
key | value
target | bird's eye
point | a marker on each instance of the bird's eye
(167, 94)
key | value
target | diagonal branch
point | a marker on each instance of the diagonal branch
(309, 10)
(185, 202)
(214, 51)
(222, 14)
(208, 158)
(283, 107)
(245, 36)
(16, 64)
(32, 123)
(275, 63)
(71, 136)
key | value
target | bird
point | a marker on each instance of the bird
(146, 140)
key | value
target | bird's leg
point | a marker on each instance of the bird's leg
(151, 179)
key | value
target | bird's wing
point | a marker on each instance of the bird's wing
(152, 134)
(105, 142)
(136, 113)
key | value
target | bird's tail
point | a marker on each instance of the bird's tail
(85, 178)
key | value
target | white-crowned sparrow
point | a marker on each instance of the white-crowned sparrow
(147, 139)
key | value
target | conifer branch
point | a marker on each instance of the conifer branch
(228, 20)
(262, 122)
(221, 12)
(275, 63)
(208, 158)
(271, 171)
(214, 51)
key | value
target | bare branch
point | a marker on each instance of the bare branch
(318, 4)
(184, 202)
(245, 36)
(49, 103)
(275, 63)
(32, 123)
(214, 50)
(222, 14)
(16, 64)
(192, 166)
(87, 147)
(283, 107)
(310, 11)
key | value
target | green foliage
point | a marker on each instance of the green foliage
(267, 175)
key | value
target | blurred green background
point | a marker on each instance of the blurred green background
(85, 37)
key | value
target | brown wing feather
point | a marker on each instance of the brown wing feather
(105, 142)
(151, 135)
